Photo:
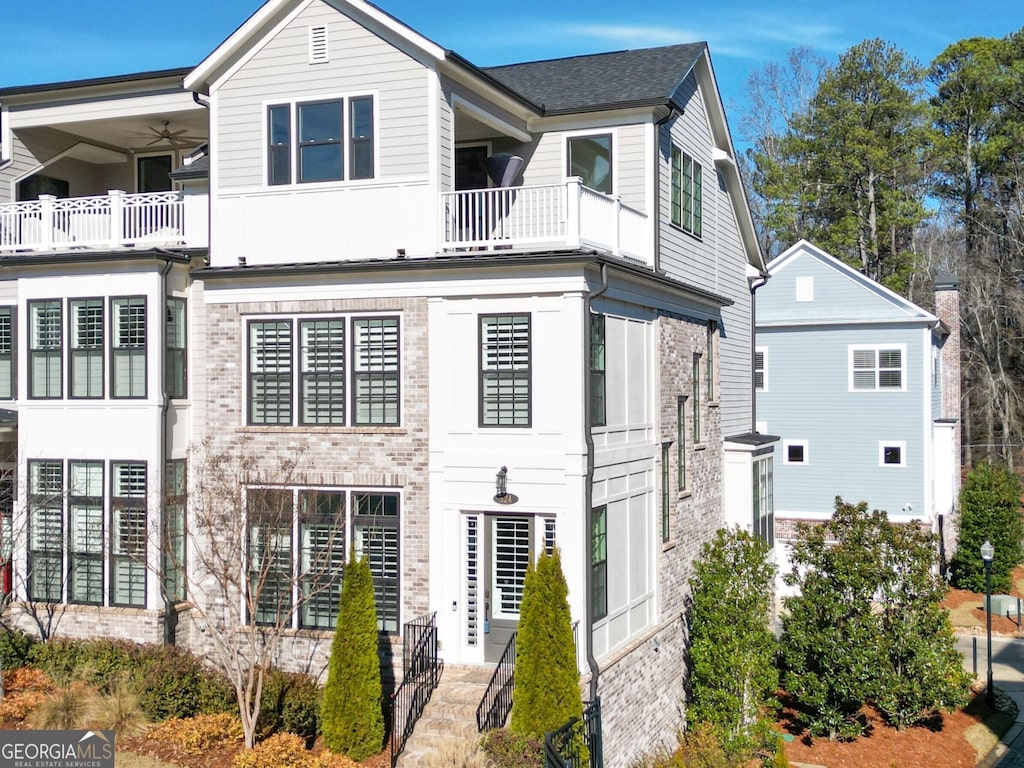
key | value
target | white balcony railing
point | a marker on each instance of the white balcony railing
(112, 221)
(565, 215)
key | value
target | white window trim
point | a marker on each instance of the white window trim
(883, 444)
(763, 351)
(596, 131)
(851, 348)
(293, 126)
(796, 443)
(5, 136)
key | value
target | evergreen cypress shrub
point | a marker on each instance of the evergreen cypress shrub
(547, 693)
(732, 653)
(352, 722)
(989, 509)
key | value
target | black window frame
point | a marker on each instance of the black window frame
(599, 562)
(8, 352)
(598, 367)
(130, 349)
(506, 409)
(50, 500)
(376, 370)
(281, 376)
(176, 348)
(687, 192)
(379, 517)
(52, 353)
(94, 350)
(129, 534)
(89, 560)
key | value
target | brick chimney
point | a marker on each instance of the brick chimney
(947, 309)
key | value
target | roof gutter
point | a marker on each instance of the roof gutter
(588, 483)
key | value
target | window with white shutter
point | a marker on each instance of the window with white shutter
(505, 370)
(86, 532)
(322, 351)
(128, 353)
(376, 370)
(876, 368)
(45, 345)
(87, 348)
(128, 535)
(270, 372)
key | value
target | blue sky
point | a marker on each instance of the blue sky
(52, 40)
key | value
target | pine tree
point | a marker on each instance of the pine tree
(547, 693)
(353, 723)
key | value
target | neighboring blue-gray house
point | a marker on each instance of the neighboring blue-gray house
(863, 388)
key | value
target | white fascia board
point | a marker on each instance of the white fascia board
(478, 113)
(590, 120)
(849, 322)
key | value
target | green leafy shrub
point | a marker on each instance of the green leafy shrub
(989, 510)
(506, 749)
(866, 626)
(732, 653)
(291, 702)
(174, 683)
(352, 720)
(547, 679)
(15, 648)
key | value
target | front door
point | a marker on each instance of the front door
(509, 547)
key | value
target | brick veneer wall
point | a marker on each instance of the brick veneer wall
(643, 685)
(88, 622)
(378, 457)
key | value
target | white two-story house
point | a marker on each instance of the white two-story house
(499, 309)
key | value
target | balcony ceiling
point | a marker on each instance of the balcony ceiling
(143, 132)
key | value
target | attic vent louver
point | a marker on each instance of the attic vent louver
(318, 44)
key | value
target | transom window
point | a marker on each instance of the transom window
(876, 368)
(307, 366)
(505, 370)
(318, 141)
(590, 158)
(687, 192)
(299, 540)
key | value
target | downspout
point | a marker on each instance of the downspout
(588, 488)
(754, 285)
(170, 614)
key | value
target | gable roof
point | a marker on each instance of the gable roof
(905, 309)
(617, 79)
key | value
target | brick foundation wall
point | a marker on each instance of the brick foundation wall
(89, 622)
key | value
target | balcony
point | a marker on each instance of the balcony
(107, 222)
(566, 215)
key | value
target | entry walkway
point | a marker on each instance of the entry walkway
(1008, 677)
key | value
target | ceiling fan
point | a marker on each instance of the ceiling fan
(179, 138)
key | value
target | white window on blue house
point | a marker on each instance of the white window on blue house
(892, 453)
(877, 368)
(761, 369)
(794, 452)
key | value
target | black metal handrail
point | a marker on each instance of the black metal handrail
(421, 672)
(497, 699)
(563, 747)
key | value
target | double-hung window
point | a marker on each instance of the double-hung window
(876, 368)
(599, 563)
(45, 344)
(505, 370)
(128, 347)
(696, 398)
(681, 443)
(339, 359)
(86, 532)
(375, 537)
(321, 556)
(128, 534)
(598, 404)
(323, 140)
(687, 194)
(8, 374)
(174, 529)
(270, 556)
(45, 531)
(86, 348)
(666, 493)
(590, 158)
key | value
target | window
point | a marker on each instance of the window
(326, 374)
(794, 452)
(174, 554)
(128, 347)
(86, 532)
(318, 154)
(45, 531)
(876, 368)
(696, 398)
(599, 563)
(299, 540)
(666, 500)
(764, 504)
(505, 370)
(681, 443)
(8, 373)
(590, 158)
(709, 362)
(598, 405)
(86, 348)
(45, 345)
(761, 368)
(175, 364)
(892, 453)
(128, 534)
(687, 192)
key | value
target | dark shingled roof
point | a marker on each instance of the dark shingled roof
(602, 80)
(198, 169)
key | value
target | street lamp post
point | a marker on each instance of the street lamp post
(987, 554)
